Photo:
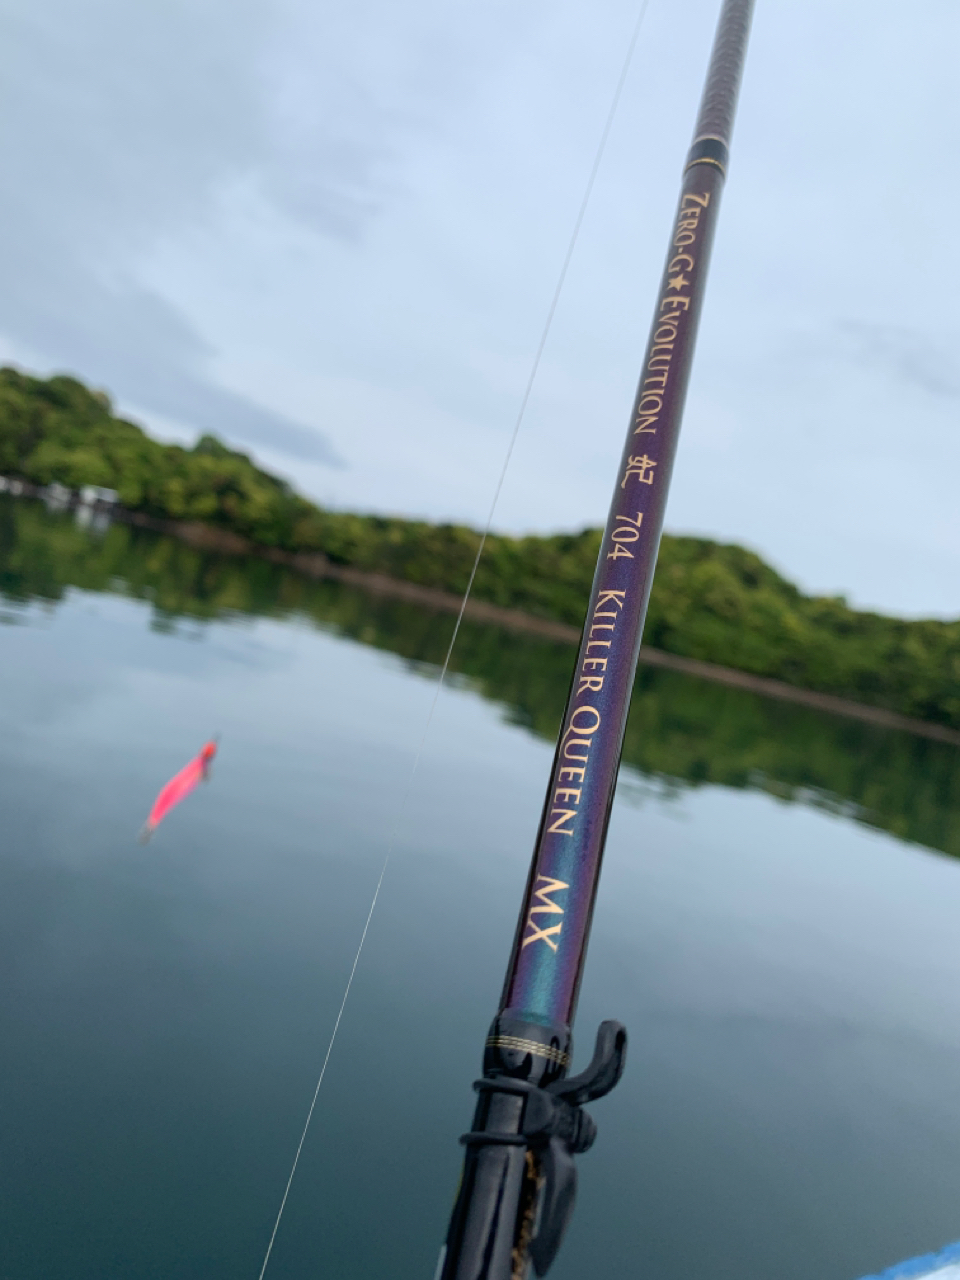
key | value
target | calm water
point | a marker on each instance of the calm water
(777, 926)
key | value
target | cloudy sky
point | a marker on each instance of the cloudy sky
(330, 233)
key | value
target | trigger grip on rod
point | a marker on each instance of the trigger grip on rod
(555, 1127)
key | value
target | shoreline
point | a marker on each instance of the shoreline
(317, 566)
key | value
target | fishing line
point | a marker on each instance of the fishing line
(528, 389)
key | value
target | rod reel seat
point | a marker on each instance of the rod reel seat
(554, 1126)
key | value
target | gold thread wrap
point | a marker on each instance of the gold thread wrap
(530, 1046)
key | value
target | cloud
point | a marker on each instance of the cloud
(120, 335)
(123, 125)
(137, 127)
(908, 354)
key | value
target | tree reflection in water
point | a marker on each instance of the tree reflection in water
(682, 733)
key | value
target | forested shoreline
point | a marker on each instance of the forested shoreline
(719, 603)
(683, 733)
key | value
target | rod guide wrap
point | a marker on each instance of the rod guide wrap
(708, 151)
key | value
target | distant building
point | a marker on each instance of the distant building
(92, 495)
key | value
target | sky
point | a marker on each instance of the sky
(330, 234)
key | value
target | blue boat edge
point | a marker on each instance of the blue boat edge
(927, 1265)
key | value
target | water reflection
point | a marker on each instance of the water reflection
(683, 733)
(790, 1109)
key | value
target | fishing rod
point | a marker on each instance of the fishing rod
(518, 1183)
